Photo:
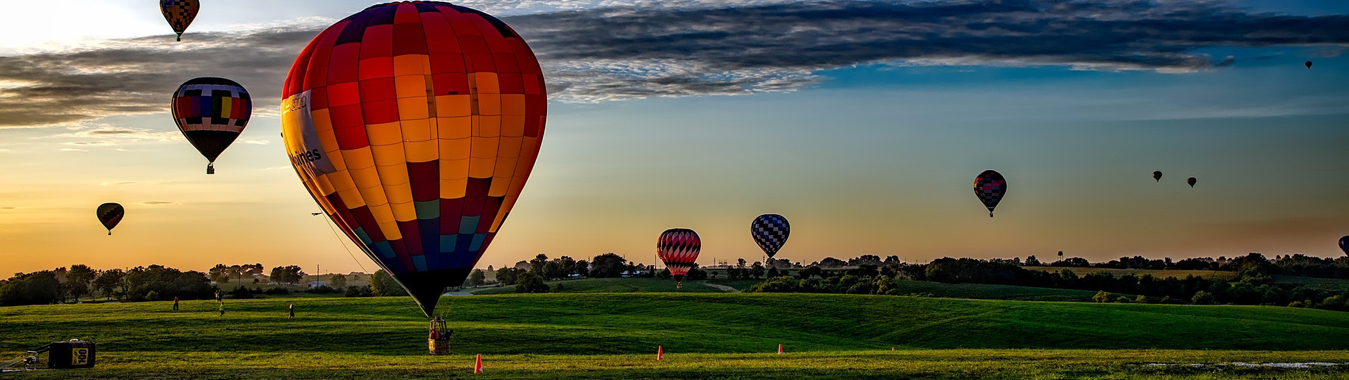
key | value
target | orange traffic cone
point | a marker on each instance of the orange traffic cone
(779, 348)
(660, 353)
(892, 348)
(477, 364)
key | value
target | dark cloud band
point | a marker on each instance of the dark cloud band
(632, 52)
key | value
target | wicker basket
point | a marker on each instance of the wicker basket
(439, 346)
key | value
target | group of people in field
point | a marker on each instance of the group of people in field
(220, 301)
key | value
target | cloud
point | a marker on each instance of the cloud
(8, 208)
(601, 50)
(156, 203)
(106, 135)
(73, 150)
(257, 142)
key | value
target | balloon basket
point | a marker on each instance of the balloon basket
(438, 346)
(438, 342)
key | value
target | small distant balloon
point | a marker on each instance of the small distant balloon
(989, 186)
(1344, 244)
(110, 214)
(1190, 181)
(1157, 176)
(678, 248)
(1309, 64)
(179, 13)
(770, 231)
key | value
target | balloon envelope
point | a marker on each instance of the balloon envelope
(1309, 64)
(414, 126)
(109, 214)
(1190, 181)
(770, 232)
(211, 112)
(1157, 176)
(179, 14)
(1344, 244)
(989, 186)
(678, 248)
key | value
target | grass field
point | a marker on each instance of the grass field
(705, 335)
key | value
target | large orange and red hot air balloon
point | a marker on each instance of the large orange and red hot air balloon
(415, 126)
(678, 248)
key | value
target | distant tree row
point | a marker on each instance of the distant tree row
(152, 283)
(1253, 286)
(1291, 265)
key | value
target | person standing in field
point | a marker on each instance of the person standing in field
(292, 311)
(222, 309)
(175, 303)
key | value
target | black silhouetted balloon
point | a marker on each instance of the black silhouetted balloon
(989, 186)
(1309, 64)
(1157, 176)
(110, 214)
(1190, 181)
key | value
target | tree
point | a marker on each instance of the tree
(290, 274)
(36, 288)
(508, 276)
(337, 281)
(235, 272)
(477, 278)
(1032, 261)
(530, 283)
(1202, 298)
(553, 269)
(159, 282)
(77, 280)
(382, 284)
(582, 267)
(218, 273)
(1101, 297)
(108, 281)
(756, 270)
(809, 272)
(773, 272)
(607, 265)
(536, 265)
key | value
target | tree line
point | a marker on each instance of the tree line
(541, 268)
(157, 283)
(1252, 285)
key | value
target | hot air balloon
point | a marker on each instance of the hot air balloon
(1190, 181)
(989, 186)
(1157, 176)
(1309, 64)
(770, 232)
(109, 214)
(678, 248)
(1344, 244)
(179, 13)
(211, 112)
(414, 126)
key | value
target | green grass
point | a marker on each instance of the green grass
(995, 292)
(705, 335)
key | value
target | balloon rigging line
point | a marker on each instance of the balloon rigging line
(329, 223)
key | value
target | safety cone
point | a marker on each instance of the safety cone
(660, 353)
(779, 348)
(477, 364)
(892, 348)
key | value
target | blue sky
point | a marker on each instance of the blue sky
(862, 128)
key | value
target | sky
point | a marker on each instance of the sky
(863, 122)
